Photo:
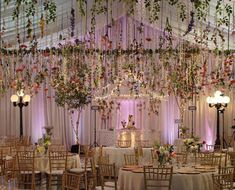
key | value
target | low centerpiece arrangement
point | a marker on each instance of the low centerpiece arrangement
(164, 153)
(193, 144)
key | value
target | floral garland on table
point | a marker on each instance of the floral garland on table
(164, 153)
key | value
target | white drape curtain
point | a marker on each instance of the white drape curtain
(43, 111)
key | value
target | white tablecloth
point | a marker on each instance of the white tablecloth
(116, 155)
(128, 180)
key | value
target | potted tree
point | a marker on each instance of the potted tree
(71, 92)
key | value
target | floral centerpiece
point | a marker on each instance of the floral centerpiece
(193, 144)
(43, 144)
(164, 153)
(183, 131)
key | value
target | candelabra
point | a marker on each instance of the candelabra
(219, 101)
(20, 99)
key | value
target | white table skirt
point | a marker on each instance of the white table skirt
(128, 180)
(116, 155)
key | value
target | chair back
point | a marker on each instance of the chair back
(108, 173)
(25, 161)
(5, 151)
(26, 167)
(181, 158)
(71, 181)
(90, 161)
(103, 159)
(231, 156)
(10, 141)
(157, 177)
(130, 159)
(209, 158)
(57, 160)
(57, 147)
(223, 181)
(225, 170)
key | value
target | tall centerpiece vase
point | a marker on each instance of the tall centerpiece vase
(47, 138)
(161, 160)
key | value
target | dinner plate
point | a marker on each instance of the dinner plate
(205, 167)
(131, 166)
(127, 169)
(140, 170)
(189, 172)
(205, 170)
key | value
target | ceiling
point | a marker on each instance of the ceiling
(62, 23)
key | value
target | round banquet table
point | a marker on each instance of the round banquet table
(116, 155)
(128, 180)
(42, 162)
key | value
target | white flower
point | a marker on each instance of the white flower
(161, 149)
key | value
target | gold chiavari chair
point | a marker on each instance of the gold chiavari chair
(103, 159)
(57, 164)
(24, 141)
(181, 158)
(157, 177)
(10, 170)
(225, 170)
(108, 176)
(231, 156)
(222, 181)
(28, 176)
(131, 159)
(88, 172)
(57, 147)
(209, 158)
(5, 154)
(71, 181)
(10, 141)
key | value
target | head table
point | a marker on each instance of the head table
(182, 179)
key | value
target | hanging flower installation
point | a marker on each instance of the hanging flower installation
(98, 66)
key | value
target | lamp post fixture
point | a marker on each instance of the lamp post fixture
(219, 101)
(20, 99)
